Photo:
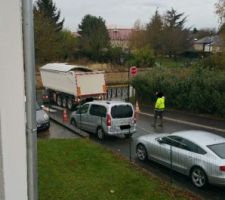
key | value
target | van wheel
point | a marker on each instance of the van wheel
(100, 134)
(73, 122)
(59, 101)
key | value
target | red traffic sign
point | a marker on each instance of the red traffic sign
(133, 71)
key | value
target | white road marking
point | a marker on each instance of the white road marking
(187, 123)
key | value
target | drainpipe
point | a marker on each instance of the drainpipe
(29, 67)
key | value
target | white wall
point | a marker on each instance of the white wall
(13, 183)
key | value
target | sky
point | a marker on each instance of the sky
(124, 13)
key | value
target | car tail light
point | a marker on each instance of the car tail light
(222, 168)
(108, 120)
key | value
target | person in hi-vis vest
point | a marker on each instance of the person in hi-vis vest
(159, 109)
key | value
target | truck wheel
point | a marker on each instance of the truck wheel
(70, 103)
(64, 102)
(59, 101)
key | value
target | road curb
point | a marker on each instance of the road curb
(74, 130)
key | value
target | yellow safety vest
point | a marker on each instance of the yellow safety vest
(160, 103)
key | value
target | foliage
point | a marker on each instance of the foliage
(166, 35)
(143, 57)
(154, 32)
(138, 38)
(220, 11)
(69, 44)
(197, 90)
(115, 55)
(200, 33)
(94, 38)
(175, 36)
(51, 43)
(46, 39)
(83, 170)
(50, 12)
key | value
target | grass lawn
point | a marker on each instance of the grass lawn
(82, 170)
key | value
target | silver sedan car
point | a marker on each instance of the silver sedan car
(198, 154)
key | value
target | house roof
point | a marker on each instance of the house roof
(119, 33)
(214, 40)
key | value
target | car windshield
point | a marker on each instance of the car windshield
(218, 149)
(121, 111)
(38, 107)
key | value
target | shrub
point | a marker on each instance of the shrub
(198, 90)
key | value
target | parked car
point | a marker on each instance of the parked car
(42, 118)
(198, 154)
(105, 118)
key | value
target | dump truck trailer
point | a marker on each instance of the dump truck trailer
(67, 85)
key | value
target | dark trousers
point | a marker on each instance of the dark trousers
(158, 113)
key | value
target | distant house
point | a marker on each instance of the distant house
(76, 34)
(120, 37)
(208, 44)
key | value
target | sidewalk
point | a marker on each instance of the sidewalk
(58, 118)
(188, 117)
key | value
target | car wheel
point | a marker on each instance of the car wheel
(100, 134)
(141, 152)
(73, 122)
(198, 177)
(59, 101)
(64, 102)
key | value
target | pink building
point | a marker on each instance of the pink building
(120, 37)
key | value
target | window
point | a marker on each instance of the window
(188, 145)
(98, 110)
(122, 111)
(84, 109)
(170, 141)
(218, 149)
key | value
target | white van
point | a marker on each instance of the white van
(105, 118)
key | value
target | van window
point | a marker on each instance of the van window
(98, 110)
(121, 111)
(83, 109)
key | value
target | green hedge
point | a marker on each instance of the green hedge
(197, 90)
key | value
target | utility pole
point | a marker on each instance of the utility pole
(31, 131)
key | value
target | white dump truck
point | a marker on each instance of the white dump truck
(67, 85)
